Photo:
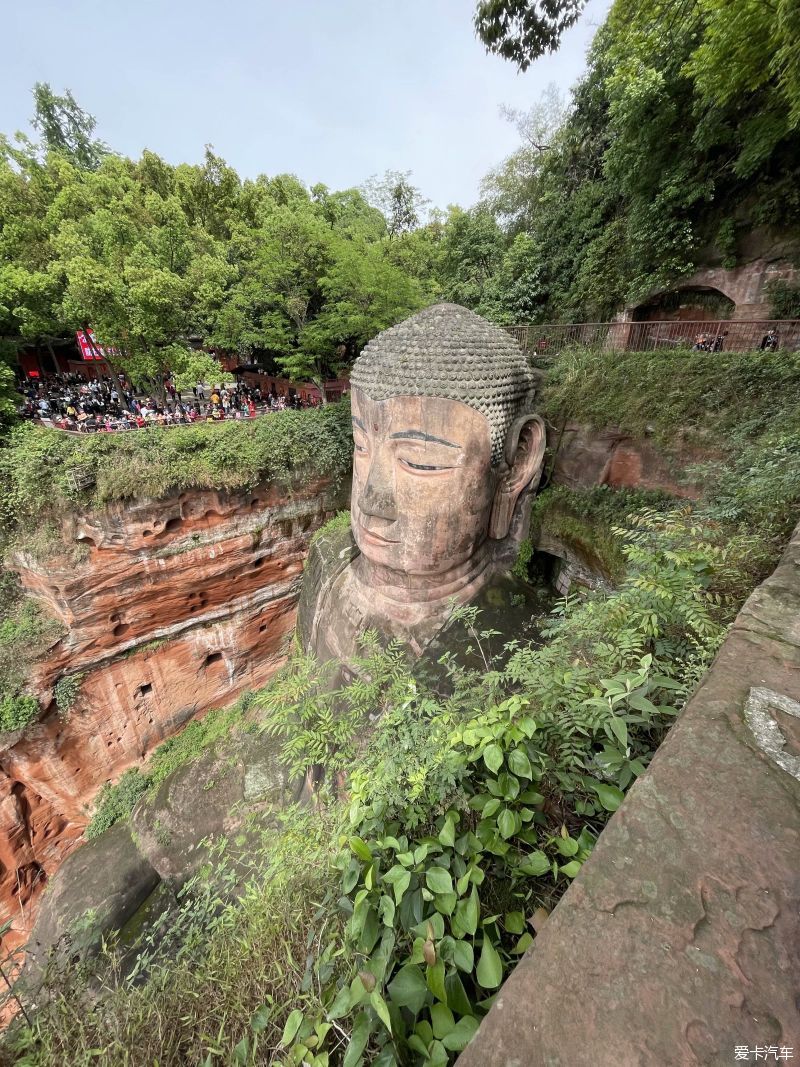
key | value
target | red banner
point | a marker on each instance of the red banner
(89, 348)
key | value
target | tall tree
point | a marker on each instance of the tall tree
(66, 128)
(400, 202)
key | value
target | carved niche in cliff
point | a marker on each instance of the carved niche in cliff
(447, 448)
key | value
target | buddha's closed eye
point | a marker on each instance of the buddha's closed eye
(423, 468)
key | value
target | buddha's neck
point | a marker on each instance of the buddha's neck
(413, 598)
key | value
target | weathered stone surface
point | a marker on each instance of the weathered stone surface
(680, 938)
(97, 888)
(447, 447)
(235, 780)
(181, 605)
(330, 553)
(231, 791)
(586, 457)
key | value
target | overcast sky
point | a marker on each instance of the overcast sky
(330, 90)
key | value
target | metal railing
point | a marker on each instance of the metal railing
(729, 335)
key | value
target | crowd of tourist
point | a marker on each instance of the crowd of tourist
(70, 402)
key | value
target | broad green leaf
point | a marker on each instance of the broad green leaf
(370, 931)
(467, 911)
(432, 927)
(401, 884)
(461, 1034)
(442, 1019)
(435, 979)
(519, 763)
(358, 1040)
(341, 1003)
(350, 876)
(506, 824)
(524, 942)
(457, 998)
(535, 864)
(447, 834)
(361, 849)
(386, 908)
(382, 1011)
(408, 988)
(493, 757)
(464, 956)
(514, 922)
(416, 1044)
(620, 730)
(437, 1055)
(438, 880)
(260, 1019)
(292, 1026)
(489, 971)
(445, 902)
(610, 797)
(570, 869)
(567, 846)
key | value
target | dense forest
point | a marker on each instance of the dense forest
(680, 145)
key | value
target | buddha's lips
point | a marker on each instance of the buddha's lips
(375, 538)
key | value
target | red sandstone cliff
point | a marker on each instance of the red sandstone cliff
(181, 605)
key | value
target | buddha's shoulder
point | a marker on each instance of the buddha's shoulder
(332, 550)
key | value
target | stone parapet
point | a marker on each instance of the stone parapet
(679, 941)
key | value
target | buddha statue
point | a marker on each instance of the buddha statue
(446, 447)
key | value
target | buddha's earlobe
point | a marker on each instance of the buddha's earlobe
(524, 454)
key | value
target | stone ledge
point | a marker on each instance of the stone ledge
(680, 938)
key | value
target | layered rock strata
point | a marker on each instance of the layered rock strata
(179, 605)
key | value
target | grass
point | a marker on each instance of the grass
(224, 998)
(340, 521)
(583, 520)
(115, 803)
(719, 397)
(289, 446)
(26, 632)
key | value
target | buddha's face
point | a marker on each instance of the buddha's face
(422, 482)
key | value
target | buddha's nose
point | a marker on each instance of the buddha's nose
(377, 498)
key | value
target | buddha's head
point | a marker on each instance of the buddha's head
(445, 442)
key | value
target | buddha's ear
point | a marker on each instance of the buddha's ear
(524, 453)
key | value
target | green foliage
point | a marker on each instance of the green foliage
(225, 967)
(319, 724)
(65, 128)
(114, 803)
(523, 31)
(340, 521)
(785, 300)
(741, 410)
(287, 446)
(468, 815)
(155, 257)
(25, 633)
(17, 711)
(472, 806)
(584, 520)
(682, 136)
(66, 691)
(717, 397)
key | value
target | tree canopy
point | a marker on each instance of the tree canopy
(680, 146)
(161, 259)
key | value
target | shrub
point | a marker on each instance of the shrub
(286, 446)
(17, 711)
